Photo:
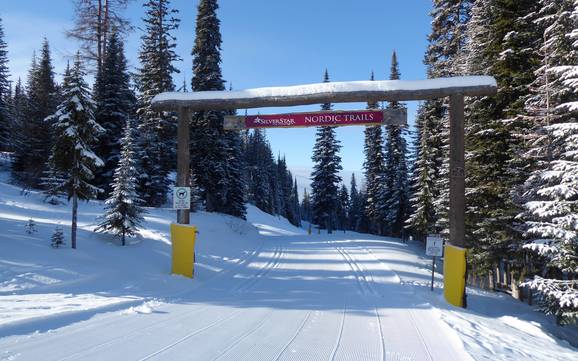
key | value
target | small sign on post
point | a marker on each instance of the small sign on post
(435, 248)
(181, 198)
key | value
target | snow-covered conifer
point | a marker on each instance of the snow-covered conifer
(156, 143)
(325, 177)
(550, 216)
(396, 170)
(35, 140)
(75, 134)
(123, 211)
(374, 171)
(57, 240)
(115, 104)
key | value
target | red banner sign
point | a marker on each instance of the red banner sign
(396, 116)
(313, 119)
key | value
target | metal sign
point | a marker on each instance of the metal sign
(318, 119)
(434, 246)
(181, 198)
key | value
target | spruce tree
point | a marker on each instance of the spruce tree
(259, 164)
(502, 34)
(396, 171)
(115, 105)
(235, 199)
(325, 177)
(213, 151)
(374, 170)
(550, 194)
(306, 207)
(421, 218)
(295, 204)
(5, 122)
(76, 132)
(157, 130)
(342, 208)
(123, 213)
(355, 211)
(18, 110)
(35, 141)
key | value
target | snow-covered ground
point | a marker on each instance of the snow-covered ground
(264, 290)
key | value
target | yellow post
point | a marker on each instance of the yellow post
(183, 239)
(454, 275)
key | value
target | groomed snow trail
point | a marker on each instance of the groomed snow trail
(298, 298)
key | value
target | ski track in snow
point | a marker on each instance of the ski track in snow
(265, 291)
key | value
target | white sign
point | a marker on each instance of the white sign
(434, 246)
(181, 198)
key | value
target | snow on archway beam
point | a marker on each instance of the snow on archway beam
(336, 92)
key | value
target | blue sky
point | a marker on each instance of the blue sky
(265, 43)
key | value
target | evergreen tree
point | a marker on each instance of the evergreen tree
(342, 207)
(157, 130)
(115, 105)
(306, 207)
(502, 34)
(325, 176)
(550, 194)
(18, 110)
(5, 95)
(421, 219)
(295, 204)
(212, 152)
(259, 164)
(374, 169)
(235, 199)
(57, 240)
(355, 211)
(123, 213)
(76, 133)
(35, 141)
(396, 171)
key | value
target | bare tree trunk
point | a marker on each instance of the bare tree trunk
(75, 175)
(105, 30)
(74, 218)
(99, 34)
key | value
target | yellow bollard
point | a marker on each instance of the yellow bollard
(183, 240)
(455, 275)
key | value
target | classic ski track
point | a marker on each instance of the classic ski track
(339, 335)
(299, 329)
(273, 263)
(357, 268)
(248, 285)
(132, 334)
(243, 336)
(421, 338)
(192, 334)
(411, 314)
(136, 332)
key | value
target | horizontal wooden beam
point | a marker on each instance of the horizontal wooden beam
(396, 116)
(340, 92)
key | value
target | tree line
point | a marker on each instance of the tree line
(521, 145)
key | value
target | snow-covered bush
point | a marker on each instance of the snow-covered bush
(30, 226)
(58, 238)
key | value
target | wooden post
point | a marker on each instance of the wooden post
(183, 159)
(457, 172)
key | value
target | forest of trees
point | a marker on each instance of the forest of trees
(106, 142)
